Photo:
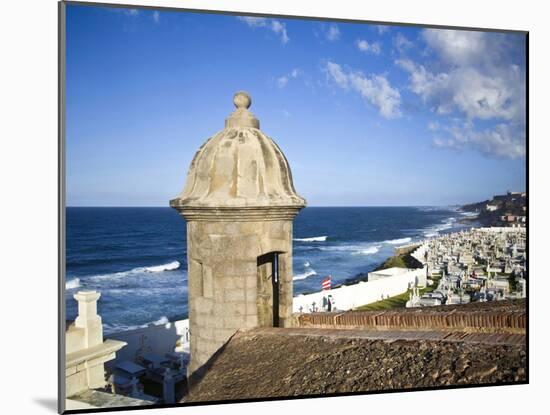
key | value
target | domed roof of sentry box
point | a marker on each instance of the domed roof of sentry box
(239, 167)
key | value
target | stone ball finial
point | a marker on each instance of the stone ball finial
(242, 100)
(242, 117)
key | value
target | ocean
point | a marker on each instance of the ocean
(136, 257)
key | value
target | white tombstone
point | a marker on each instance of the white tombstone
(168, 387)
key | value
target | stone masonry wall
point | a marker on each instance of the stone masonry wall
(223, 280)
(512, 321)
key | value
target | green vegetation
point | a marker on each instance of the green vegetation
(513, 282)
(398, 301)
(404, 260)
(394, 261)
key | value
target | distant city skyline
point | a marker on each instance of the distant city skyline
(367, 115)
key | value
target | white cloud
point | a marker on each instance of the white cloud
(131, 12)
(283, 80)
(472, 77)
(475, 93)
(280, 29)
(375, 89)
(333, 33)
(366, 47)
(433, 126)
(156, 16)
(432, 88)
(501, 141)
(382, 29)
(462, 47)
(253, 21)
(337, 74)
(483, 81)
(274, 25)
(401, 43)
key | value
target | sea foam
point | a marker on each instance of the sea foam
(398, 241)
(72, 284)
(434, 231)
(171, 266)
(160, 321)
(119, 328)
(303, 276)
(368, 251)
(312, 239)
(165, 267)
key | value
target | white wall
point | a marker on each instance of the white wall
(350, 296)
(157, 339)
(419, 253)
(496, 229)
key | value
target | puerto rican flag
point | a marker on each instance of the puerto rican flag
(326, 283)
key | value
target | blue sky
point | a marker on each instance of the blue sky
(366, 114)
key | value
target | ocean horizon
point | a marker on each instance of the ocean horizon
(136, 256)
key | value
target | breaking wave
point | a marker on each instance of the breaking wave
(165, 267)
(171, 266)
(162, 320)
(435, 230)
(312, 239)
(72, 284)
(368, 251)
(398, 241)
(119, 328)
(308, 273)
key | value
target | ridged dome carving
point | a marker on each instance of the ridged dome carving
(239, 167)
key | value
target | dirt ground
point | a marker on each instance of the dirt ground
(260, 365)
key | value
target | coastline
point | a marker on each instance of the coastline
(461, 280)
(353, 248)
(357, 288)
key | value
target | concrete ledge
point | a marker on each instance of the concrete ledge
(392, 335)
(97, 399)
(105, 349)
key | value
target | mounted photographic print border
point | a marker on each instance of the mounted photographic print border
(323, 302)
